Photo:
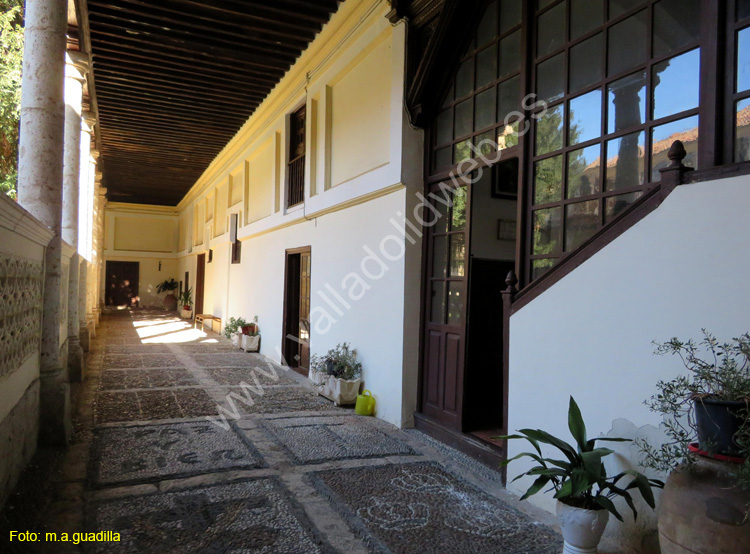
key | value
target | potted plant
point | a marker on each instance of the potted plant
(337, 374)
(186, 301)
(707, 422)
(170, 300)
(582, 487)
(232, 330)
(251, 336)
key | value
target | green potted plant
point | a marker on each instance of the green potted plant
(233, 329)
(185, 299)
(251, 336)
(337, 374)
(583, 490)
(170, 300)
(706, 415)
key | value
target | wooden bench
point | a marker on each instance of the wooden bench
(202, 318)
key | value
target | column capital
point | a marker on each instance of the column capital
(76, 65)
(95, 153)
(88, 121)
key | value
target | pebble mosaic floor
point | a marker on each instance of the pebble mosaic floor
(186, 444)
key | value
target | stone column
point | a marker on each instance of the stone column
(85, 220)
(101, 202)
(91, 320)
(40, 168)
(76, 65)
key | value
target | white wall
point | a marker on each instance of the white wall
(682, 268)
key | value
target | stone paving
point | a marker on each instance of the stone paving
(274, 468)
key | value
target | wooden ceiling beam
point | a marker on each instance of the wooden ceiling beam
(199, 50)
(145, 113)
(138, 120)
(124, 138)
(151, 21)
(204, 108)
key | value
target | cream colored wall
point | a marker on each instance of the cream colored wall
(262, 180)
(149, 276)
(144, 234)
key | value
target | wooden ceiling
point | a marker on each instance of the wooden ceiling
(176, 79)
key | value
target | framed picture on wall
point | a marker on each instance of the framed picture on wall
(506, 229)
(505, 179)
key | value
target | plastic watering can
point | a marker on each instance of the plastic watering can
(365, 404)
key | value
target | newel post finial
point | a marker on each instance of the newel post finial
(511, 280)
(673, 175)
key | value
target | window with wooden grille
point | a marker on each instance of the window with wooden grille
(296, 169)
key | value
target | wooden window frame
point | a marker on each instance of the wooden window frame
(297, 151)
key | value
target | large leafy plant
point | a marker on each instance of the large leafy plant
(233, 326)
(580, 479)
(715, 370)
(167, 286)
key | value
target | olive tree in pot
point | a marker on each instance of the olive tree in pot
(706, 502)
(170, 300)
(583, 490)
(337, 374)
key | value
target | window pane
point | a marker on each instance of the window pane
(462, 151)
(627, 44)
(550, 78)
(551, 30)
(743, 60)
(626, 102)
(586, 63)
(742, 132)
(456, 299)
(619, 7)
(463, 118)
(437, 310)
(581, 222)
(583, 171)
(486, 66)
(458, 253)
(484, 109)
(546, 231)
(585, 16)
(662, 138)
(485, 143)
(508, 98)
(585, 117)
(743, 9)
(543, 3)
(677, 23)
(549, 131)
(510, 53)
(615, 205)
(540, 267)
(444, 131)
(677, 83)
(443, 158)
(510, 14)
(441, 225)
(507, 136)
(465, 78)
(625, 161)
(488, 25)
(440, 256)
(548, 180)
(458, 215)
(449, 96)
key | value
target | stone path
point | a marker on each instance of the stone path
(283, 470)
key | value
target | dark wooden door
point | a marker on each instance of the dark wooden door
(296, 343)
(445, 308)
(122, 283)
(200, 276)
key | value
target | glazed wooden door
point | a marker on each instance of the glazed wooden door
(445, 308)
(296, 343)
(304, 311)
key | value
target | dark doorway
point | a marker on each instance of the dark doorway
(296, 342)
(483, 387)
(200, 276)
(122, 283)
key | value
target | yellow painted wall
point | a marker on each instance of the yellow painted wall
(182, 233)
(360, 114)
(220, 221)
(237, 185)
(144, 234)
(261, 181)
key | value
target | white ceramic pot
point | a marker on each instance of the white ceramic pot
(582, 529)
(341, 391)
(236, 340)
(317, 378)
(186, 314)
(250, 343)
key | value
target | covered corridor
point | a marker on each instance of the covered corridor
(292, 473)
